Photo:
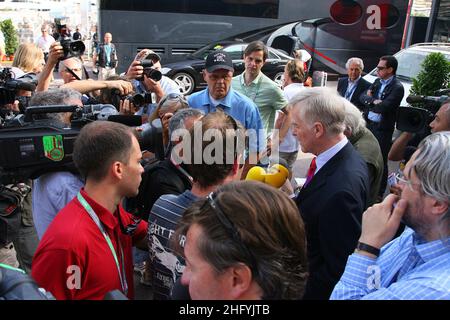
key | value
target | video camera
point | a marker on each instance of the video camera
(414, 119)
(149, 71)
(9, 86)
(37, 146)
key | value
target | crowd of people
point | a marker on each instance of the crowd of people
(200, 231)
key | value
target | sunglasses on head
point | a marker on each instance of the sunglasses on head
(231, 230)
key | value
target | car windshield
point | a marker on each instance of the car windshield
(410, 63)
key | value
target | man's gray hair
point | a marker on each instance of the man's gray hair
(60, 96)
(356, 60)
(177, 121)
(321, 104)
(354, 120)
(432, 166)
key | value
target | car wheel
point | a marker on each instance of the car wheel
(185, 81)
(278, 79)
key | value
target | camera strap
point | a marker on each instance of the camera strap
(93, 215)
(73, 73)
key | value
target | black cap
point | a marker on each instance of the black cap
(218, 60)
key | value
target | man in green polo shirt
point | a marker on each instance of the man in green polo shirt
(258, 87)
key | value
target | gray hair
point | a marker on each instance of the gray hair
(432, 166)
(321, 104)
(177, 121)
(354, 120)
(60, 96)
(54, 97)
(356, 60)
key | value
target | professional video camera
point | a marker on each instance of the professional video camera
(37, 146)
(9, 86)
(149, 71)
(414, 119)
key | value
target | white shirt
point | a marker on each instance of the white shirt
(326, 156)
(44, 43)
(290, 143)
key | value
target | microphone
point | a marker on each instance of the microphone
(422, 99)
(275, 176)
(129, 120)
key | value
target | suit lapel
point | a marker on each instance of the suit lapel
(321, 177)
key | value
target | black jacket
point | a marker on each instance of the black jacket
(332, 206)
(361, 88)
(391, 98)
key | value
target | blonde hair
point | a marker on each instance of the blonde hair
(28, 57)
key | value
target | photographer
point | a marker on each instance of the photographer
(407, 142)
(52, 191)
(148, 81)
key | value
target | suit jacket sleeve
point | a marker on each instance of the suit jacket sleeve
(392, 100)
(339, 229)
(367, 100)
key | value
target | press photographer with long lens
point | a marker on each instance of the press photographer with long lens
(147, 79)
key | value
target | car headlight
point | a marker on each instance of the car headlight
(165, 71)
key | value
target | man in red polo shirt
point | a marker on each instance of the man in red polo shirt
(86, 251)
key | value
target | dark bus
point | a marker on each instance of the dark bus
(179, 27)
(368, 29)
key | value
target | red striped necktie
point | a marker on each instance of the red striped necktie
(311, 171)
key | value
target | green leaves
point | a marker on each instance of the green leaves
(435, 75)
(11, 39)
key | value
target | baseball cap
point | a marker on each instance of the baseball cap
(218, 60)
(147, 54)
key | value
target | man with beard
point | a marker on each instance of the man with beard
(416, 265)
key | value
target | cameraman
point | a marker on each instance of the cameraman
(405, 145)
(144, 84)
(52, 191)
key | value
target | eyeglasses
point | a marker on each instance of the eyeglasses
(232, 231)
(403, 180)
(172, 97)
(381, 68)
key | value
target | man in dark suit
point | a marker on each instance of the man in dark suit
(336, 191)
(354, 85)
(382, 101)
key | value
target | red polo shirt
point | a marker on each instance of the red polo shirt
(73, 259)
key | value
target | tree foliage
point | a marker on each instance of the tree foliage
(11, 39)
(435, 75)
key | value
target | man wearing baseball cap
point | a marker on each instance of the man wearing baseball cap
(220, 95)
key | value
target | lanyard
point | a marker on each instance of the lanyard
(90, 211)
